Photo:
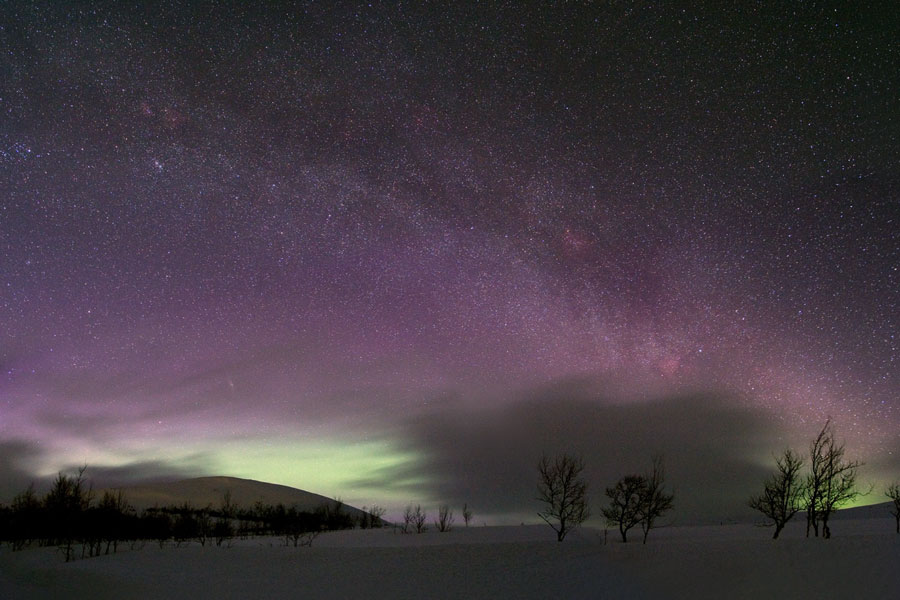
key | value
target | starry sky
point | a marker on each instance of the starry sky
(395, 251)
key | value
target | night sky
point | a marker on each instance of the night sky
(394, 252)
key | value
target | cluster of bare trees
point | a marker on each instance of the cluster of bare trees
(415, 519)
(829, 483)
(445, 519)
(68, 517)
(638, 500)
(633, 500)
(372, 517)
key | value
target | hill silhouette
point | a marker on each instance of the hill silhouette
(206, 491)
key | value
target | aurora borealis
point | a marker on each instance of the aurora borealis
(395, 251)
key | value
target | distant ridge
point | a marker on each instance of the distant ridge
(204, 491)
(870, 511)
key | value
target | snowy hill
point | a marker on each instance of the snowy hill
(206, 491)
(881, 510)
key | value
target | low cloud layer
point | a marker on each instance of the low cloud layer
(15, 461)
(19, 460)
(715, 451)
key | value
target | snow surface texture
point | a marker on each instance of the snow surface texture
(731, 561)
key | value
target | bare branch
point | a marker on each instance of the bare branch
(656, 501)
(445, 519)
(893, 492)
(831, 482)
(564, 491)
(625, 503)
(783, 492)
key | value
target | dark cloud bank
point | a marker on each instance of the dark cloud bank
(18, 459)
(716, 451)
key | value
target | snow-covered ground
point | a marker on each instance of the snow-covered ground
(730, 561)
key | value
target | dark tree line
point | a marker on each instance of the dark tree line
(68, 517)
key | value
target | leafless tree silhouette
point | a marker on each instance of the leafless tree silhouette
(783, 492)
(445, 519)
(831, 481)
(65, 504)
(376, 514)
(408, 516)
(893, 492)
(223, 530)
(371, 517)
(467, 514)
(656, 500)
(626, 499)
(418, 519)
(27, 513)
(204, 525)
(110, 514)
(563, 489)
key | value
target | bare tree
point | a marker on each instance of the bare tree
(376, 516)
(335, 515)
(467, 514)
(563, 489)
(65, 505)
(307, 538)
(419, 518)
(656, 500)
(812, 497)
(363, 519)
(783, 492)
(26, 514)
(408, 516)
(371, 517)
(111, 512)
(228, 508)
(444, 521)
(204, 525)
(184, 526)
(626, 502)
(831, 481)
(223, 530)
(893, 492)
